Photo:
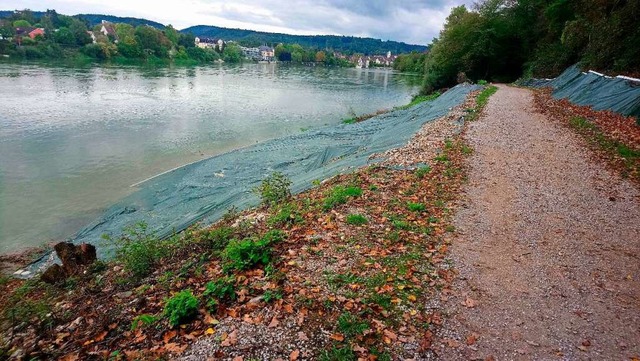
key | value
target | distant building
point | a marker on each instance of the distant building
(373, 60)
(36, 32)
(23, 31)
(109, 30)
(251, 53)
(93, 36)
(203, 42)
(267, 53)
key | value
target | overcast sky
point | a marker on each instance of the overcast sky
(411, 21)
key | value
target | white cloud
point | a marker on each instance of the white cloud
(411, 21)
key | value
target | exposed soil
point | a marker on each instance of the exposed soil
(548, 247)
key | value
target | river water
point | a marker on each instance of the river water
(75, 140)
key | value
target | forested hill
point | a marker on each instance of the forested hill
(95, 19)
(348, 44)
(502, 40)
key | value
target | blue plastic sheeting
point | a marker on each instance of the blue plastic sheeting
(601, 92)
(205, 190)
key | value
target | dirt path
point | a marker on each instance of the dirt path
(549, 246)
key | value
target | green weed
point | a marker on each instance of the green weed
(181, 308)
(220, 290)
(416, 207)
(350, 325)
(356, 219)
(219, 238)
(338, 354)
(340, 195)
(274, 189)
(250, 252)
(140, 250)
(287, 214)
(422, 172)
(143, 320)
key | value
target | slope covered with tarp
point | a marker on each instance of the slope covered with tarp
(205, 190)
(619, 94)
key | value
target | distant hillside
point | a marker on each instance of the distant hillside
(95, 19)
(346, 44)
(7, 13)
(349, 44)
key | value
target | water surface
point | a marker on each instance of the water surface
(75, 140)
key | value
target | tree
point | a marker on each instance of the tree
(232, 53)
(79, 30)
(320, 57)
(21, 24)
(171, 34)
(64, 36)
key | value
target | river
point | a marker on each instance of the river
(75, 140)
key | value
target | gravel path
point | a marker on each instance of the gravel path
(549, 246)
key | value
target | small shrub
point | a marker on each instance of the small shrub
(441, 158)
(356, 219)
(272, 295)
(340, 195)
(140, 250)
(181, 308)
(422, 171)
(274, 189)
(350, 121)
(416, 207)
(482, 82)
(286, 215)
(381, 300)
(250, 252)
(221, 290)
(350, 325)
(143, 320)
(219, 238)
(338, 354)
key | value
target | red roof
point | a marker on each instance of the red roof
(36, 32)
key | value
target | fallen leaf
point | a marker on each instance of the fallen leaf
(338, 337)
(210, 331)
(412, 298)
(392, 336)
(238, 358)
(274, 322)
(174, 347)
(302, 336)
(169, 335)
(359, 349)
(471, 339)
(101, 336)
(294, 355)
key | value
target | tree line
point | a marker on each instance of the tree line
(502, 40)
(68, 37)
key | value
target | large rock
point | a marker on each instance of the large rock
(54, 274)
(73, 258)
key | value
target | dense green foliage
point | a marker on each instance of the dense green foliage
(410, 63)
(67, 37)
(140, 250)
(503, 39)
(298, 54)
(249, 252)
(181, 308)
(345, 44)
(274, 189)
